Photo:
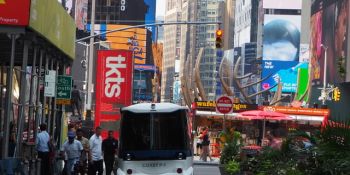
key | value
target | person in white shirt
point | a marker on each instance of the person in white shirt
(96, 158)
(42, 147)
(73, 149)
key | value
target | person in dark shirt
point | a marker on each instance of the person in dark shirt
(109, 148)
(76, 100)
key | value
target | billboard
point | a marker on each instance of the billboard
(137, 12)
(48, 18)
(113, 87)
(281, 40)
(131, 39)
(281, 49)
(81, 8)
(285, 4)
(330, 28)
(14, 12)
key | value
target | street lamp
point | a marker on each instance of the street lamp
(325, 90)
(88, 81)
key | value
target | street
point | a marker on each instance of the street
(206, 170)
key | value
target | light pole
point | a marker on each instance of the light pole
(88, 60)
(324, 93)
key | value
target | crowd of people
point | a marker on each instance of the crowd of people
(81, 155)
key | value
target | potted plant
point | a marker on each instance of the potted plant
(231, 142)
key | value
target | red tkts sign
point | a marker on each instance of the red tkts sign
(224, 104)
(113, 87)
(14, 12)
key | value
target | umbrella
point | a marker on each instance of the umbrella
(263, 115)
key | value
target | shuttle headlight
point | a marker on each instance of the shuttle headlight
(180, 156)
(128, 156)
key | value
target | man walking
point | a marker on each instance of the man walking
(42, 147)
(109, 148)
(86, 150)
(96, 159)
(76, 100)
(73, 149)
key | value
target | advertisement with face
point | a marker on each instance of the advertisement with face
(81, 7)
(113, 86)
(14, 12)
(329, 27)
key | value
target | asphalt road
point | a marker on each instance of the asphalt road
(206, 170)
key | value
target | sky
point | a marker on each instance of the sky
(160, 11)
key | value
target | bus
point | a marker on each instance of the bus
(155, 138)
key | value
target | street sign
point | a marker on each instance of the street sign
(50, 83)
(64, 87)
(224, 104)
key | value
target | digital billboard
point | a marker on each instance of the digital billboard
(137, 12)
(131, 39)
(14, 12)
(282, 4)
(113, 87)
(330, 28)
(81, 8)
(281, 39)
(281, 51)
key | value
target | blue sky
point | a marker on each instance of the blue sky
(160, 11)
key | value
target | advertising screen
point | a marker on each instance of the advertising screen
(81, 8)
(330, 28)
(14, 12)
(281, 40)
(130, 39)
(282, 4)
(281, 49)
(137, 12)
(113, 87)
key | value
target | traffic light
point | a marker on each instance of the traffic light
(218, 41)
(336, 94)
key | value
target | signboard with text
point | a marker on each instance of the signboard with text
(236, 107)
(14, 12)
(64, 87)
(224, 104)
(113, 87)
(50, 83)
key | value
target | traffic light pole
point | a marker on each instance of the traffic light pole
(92, 36)
(146, 25)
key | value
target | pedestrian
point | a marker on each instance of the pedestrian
(76, 100)
(42, 147)
(199, 144)
(96, 158)
(109, 148)
(73, 149)
(205, 145)
(86, 150)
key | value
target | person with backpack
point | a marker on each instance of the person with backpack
(205, 145)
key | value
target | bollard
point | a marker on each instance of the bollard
(32, 167)
(38, 166)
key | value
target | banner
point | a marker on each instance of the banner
(14, 12)
(113, 87)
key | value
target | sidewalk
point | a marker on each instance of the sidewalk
(215, 161)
